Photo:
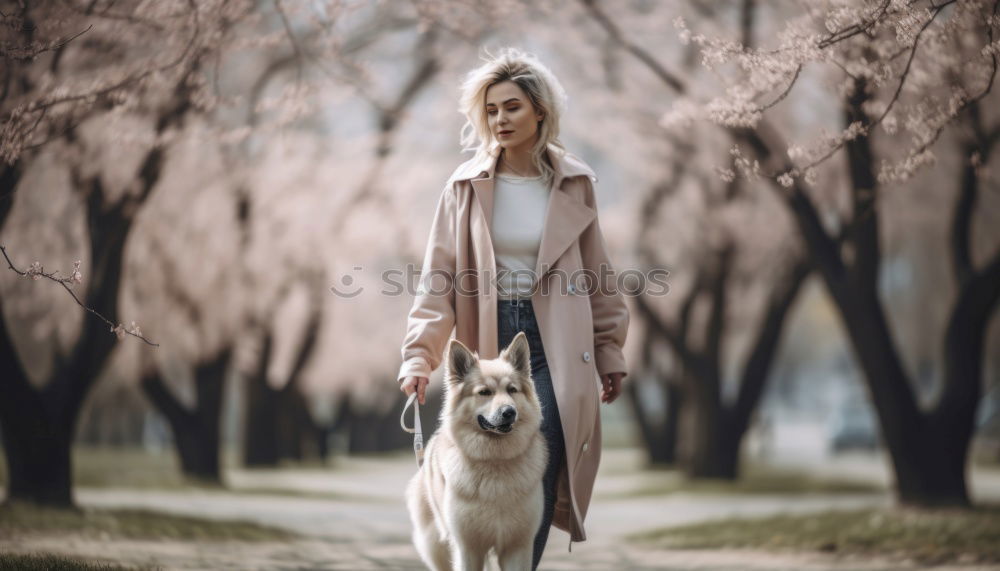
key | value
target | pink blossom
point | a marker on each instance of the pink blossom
(34, 271)
(727, 175)
(810, 177)
(906, 168)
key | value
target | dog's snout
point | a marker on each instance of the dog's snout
(508, 413)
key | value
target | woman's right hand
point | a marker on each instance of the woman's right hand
(411, 384)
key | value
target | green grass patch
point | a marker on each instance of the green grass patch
(755, 479)
(47, 562)
(20, 518)
(127, 468)
(926, 536)
(122, 467)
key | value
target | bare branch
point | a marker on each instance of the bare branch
(31, 51)
(13, 129)
(65, 283)
(667, 76)
(862, 27)
(300, 54)
(784, 94)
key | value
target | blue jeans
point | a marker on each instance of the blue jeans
(514, 316)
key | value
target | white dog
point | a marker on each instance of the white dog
(480, 486)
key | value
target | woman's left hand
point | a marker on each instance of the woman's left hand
(612, 383)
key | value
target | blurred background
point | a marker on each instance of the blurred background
(248, 188)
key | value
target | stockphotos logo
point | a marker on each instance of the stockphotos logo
(411, 281)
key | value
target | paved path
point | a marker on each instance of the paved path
(355, 519)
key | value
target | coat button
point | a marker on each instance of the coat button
(586, 445)
(586, 356)
(571, 289)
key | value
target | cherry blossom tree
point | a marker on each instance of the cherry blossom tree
(734, 273)
(68, 67)
(905, 73)
(730, 260)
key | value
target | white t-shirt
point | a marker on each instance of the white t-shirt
(519, 205)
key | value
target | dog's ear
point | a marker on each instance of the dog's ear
(459, 363)
(518, 354)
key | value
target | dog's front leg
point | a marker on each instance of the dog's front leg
(465, 556)
(518, 559)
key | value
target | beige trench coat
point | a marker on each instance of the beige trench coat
(583, 327)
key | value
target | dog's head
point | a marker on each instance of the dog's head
(491, 399)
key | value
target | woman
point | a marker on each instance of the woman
(515, 245)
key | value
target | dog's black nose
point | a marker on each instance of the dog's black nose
(508, 413)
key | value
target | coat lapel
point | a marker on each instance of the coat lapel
(484, 193)
(566, 216)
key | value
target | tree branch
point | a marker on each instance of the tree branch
(862, 231)
(35, 273)
(667, 76)
(163, 399)
(717, 315)
(755, 370)
(961, 222)
(661, 328)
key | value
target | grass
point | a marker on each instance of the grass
(46, 562)
(131, 524)
(122, 467)
(133, 468)
(928, 537)
(110, 467)
(755, 479)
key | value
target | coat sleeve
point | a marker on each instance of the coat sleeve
(610, 313)
(432, 316)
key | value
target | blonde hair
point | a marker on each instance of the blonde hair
(539, 84)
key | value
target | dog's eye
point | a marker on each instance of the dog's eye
(485, 392)
(512, 390)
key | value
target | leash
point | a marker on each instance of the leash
(418, 434)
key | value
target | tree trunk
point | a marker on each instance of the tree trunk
(278, 424)
(949, 426)
(197, 434)
(304, 436)
(929, 467)
(928, 448)
(37, 450)
(658, 438)
(260, 434)
(672, 423)
(198, 450)
(934, 474)
(374, 431)
(716, 452)
(10, 176)
(36, 419)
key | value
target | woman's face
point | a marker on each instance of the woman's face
(513, 120)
